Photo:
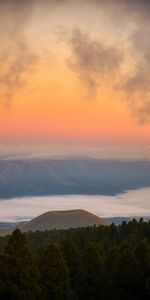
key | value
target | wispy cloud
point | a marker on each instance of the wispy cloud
(16, 57)
(92, 61)
(136, 85)
(95, 63)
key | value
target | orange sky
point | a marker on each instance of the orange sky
(62, 83)
(61, 109)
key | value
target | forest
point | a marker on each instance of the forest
(104, 262)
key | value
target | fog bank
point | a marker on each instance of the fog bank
(131, 203)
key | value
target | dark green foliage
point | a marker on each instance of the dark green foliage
(72, 257)
(127, 276)
(18, 269)
(142, 253)
(54, 274)
(93, 280)
(93, 263)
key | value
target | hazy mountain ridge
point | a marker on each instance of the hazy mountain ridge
(49, 177)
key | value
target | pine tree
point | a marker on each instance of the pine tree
(54, 274)
(93, 282)
(20, 273)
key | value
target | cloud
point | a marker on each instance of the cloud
(96, 58)
(127, 204)
(137, 84)
(21, 62)
(92, 61)
(16, 57)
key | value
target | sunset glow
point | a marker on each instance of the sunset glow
(69, 76)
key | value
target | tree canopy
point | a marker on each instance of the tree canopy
(84, 263)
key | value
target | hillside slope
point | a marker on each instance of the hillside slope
(63, 220)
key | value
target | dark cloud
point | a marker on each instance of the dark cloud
(13, 78)
(92, 61)
(16, 57)
(136, 85)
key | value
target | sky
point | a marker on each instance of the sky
(75, 73)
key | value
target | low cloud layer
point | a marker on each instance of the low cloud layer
(126, 205)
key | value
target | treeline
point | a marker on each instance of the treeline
(86, 263)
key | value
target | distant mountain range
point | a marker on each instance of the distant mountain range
(119, 220)
(58, 220)
(20, 178)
